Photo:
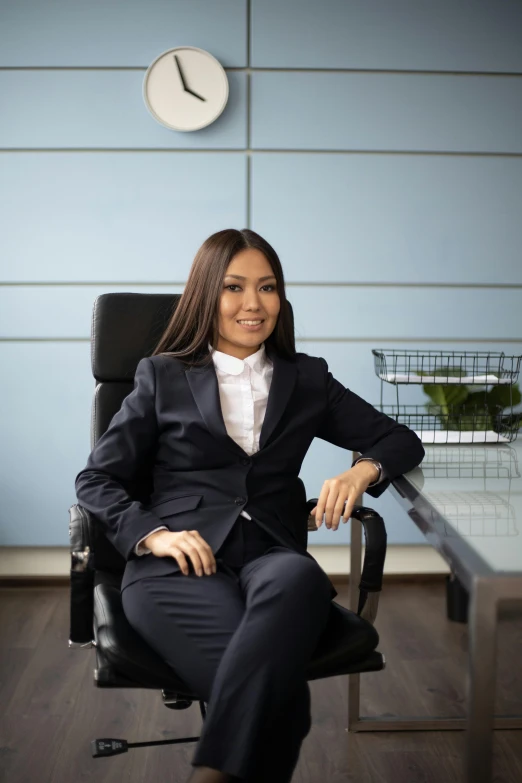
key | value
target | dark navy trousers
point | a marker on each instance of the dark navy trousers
(241, 639)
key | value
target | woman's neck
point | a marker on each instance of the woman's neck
(239, 351)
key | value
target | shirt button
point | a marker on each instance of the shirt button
(239, 501)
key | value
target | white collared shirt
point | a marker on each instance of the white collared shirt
(244, 385)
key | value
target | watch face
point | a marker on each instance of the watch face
(185, 88)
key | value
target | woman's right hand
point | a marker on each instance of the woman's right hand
(164, 543)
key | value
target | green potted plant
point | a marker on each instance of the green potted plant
(462, 408)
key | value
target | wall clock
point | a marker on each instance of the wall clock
(185, 88)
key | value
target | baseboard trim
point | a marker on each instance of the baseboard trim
(337, 579)
(38, 566)
(401, 560)
(34, 581)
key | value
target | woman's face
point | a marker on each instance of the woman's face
(249, 293)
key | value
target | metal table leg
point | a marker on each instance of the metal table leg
(354, 680)
(482, 622)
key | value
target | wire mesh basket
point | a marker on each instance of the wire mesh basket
(464, 367)
(456, 424)
(470, 462)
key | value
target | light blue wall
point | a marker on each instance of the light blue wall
(387, 35)
(376, 145)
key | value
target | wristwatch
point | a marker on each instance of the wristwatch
(377, 465)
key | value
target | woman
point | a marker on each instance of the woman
(218, 580)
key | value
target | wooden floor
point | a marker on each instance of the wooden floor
(50, 709)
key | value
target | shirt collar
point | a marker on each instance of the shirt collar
(234, 366)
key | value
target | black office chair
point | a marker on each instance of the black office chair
(125, 328)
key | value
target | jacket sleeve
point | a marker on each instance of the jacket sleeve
(140, 549)
(129, 441)
(378, 464)
(354, 424)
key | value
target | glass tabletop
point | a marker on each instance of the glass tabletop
(474, 492)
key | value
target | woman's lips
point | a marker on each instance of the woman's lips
(250, 327)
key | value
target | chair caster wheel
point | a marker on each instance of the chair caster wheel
(108, 747)
(173, 702)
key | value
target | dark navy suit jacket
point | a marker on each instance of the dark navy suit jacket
(202, 479)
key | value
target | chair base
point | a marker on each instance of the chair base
(174, 701)
(109, 746)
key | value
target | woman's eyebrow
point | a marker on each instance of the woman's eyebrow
(239, 277)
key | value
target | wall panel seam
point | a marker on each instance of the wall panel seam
(248, 108)
(250, 151)
(265, 69)
(310, 339)
(288, 284)
(248, 35)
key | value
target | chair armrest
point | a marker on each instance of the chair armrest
(82, 535)
(374, 556)
(81, 544)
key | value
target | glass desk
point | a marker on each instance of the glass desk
(467, 501)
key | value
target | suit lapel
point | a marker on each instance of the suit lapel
(283, 383)
(204, 386)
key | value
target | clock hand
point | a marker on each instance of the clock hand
(195, 94)
(183, 82)
(180, 73)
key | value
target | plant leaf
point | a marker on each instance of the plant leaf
(446, 395)
(499, 395)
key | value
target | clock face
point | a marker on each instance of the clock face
(185, 88)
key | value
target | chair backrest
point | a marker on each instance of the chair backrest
(125, 328)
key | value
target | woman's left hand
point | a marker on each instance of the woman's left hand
(344, 488)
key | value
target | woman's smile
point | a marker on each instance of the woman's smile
(252, 325)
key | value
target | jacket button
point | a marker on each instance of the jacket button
(240, 501)
(245, 461)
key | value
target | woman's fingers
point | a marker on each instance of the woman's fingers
(337, 499)
(334, 504)
(334, 496)
(206, 553)
(178, 555)
(193, 552)
(181, 549)
(327, 505)
(345, 505)
(190, 544)
(334, 509)
(348, 508)
(320, 508)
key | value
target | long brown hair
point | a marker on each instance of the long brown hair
(194, 322)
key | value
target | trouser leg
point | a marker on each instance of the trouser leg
(188, 620)
(262, 672)
(241, 640)
(279, 749)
